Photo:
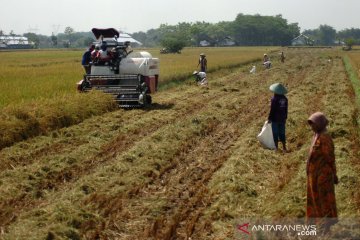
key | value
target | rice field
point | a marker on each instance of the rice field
(38, 88)
(190, 166)
(37, 75)
(47, 74)
(355, 60)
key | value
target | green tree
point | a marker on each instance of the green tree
(327, 35)
(263, 30)
(353, 33)
(32, 37)
(199, 31)
(174, 38)
(323, 35)
(69, 31)
(349, 43)
(141, 37)
(173, 44)
(218, 32)
(87, 41)
(313, 34)
(54, 40)
(244, 30)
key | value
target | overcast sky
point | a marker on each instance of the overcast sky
(47, 16)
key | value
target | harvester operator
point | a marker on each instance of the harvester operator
(103, 55)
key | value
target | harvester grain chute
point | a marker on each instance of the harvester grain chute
(130, 77)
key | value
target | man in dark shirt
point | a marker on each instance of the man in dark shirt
(86, 59)
(278, 114)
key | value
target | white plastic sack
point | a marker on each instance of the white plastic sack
(266, 136)
(253, 69)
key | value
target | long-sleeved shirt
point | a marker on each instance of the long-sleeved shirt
(86, 59)
(279, 109)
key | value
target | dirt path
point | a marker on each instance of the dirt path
(188, 168)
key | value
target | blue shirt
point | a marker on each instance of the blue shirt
(86, 59)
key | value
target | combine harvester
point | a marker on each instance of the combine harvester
(130, 77)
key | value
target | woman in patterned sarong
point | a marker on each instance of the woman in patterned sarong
(321, 175)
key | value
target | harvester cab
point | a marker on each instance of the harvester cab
(129, 76)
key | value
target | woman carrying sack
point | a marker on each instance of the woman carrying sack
(278, 114)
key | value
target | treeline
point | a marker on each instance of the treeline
(327, 35)
(245, 30)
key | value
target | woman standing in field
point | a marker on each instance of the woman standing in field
(278, 114)
(321, 175)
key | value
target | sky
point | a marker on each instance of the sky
(53, 16)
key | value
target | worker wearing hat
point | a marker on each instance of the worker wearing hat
(278, 114)
(266, 61)
(200, 78)
(202, 62)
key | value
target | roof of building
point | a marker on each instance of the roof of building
(10, 40)
(301, 36)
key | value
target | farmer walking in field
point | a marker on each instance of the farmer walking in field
(321, 175)
(278, 114)
(202, 63)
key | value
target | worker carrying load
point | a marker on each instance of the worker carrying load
(200, 78)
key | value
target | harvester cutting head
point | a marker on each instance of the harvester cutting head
(127, 90)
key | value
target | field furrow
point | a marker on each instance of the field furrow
(190, 166)
(117, 133)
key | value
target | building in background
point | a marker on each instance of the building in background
(302, 40)
(15, 42)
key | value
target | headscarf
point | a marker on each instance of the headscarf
(319, 121)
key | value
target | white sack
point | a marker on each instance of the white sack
(253, 70)
(266, 136)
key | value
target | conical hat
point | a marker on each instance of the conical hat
(278, 88)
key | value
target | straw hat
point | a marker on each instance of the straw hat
(278, 88)
(202, 54)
